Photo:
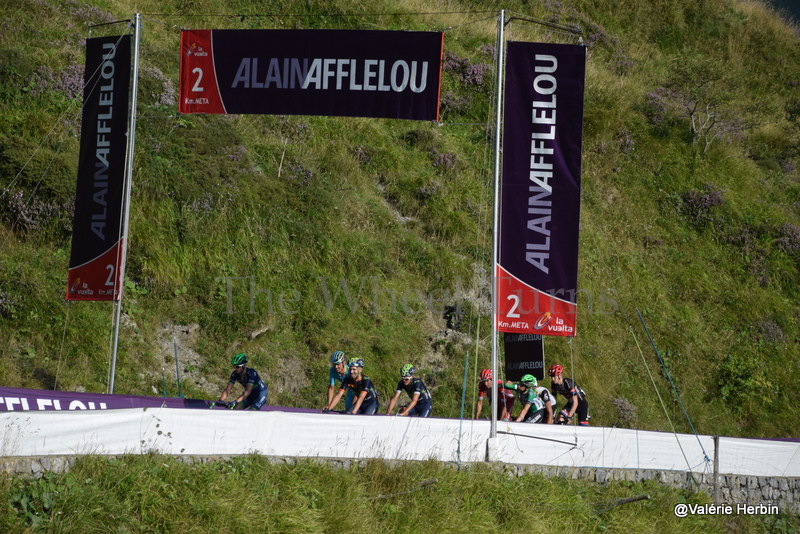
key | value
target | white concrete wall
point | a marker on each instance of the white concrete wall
(217, 432)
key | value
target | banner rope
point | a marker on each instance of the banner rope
(663, 406)
(674, 389)
(480, 244)
(63, 339)
(243, 16)
(572, 366)
(47, 136)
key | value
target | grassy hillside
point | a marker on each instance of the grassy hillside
(157, 494)
(289, 237)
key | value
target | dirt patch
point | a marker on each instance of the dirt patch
(289, 376)
(182, 339)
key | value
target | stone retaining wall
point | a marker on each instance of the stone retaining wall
(731, 489)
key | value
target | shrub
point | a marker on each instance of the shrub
(626, 412)
(698, 204)
(789, 240)
(739, 377)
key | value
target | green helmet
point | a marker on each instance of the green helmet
(355, 362)
(528, 381)
(407, 370)
(239, 359)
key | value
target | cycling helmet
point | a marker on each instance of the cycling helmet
(407, 370)
(337, 357)
(239, 359)
(555, 370)
(528, 381)
(356, 362)
(486, 374)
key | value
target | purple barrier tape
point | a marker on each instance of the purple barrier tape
(21, 399)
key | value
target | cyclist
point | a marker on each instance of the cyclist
(255, 390)
(533, 409)
(576, 397)
(549, 404)
(421, 403)
(339, 371)
(366, 396)
(505, 400)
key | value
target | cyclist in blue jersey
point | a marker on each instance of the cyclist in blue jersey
(254, 395)
(366, 396)
(339, 371)
(421, 403)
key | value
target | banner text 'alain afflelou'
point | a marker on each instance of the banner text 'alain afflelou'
(95, 258)
(350, 73)
(540, 201)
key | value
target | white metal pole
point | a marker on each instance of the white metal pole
(495, 240)
(126, 203)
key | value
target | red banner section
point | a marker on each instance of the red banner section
(198, 82)
(347, 73)
(523, 309)
(94, 262)
(98, 279)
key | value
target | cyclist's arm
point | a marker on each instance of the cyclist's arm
(330, 394)
(392, 402)
(548, 418)
(335, 400)
(247, 391)
(523, 412)
(572, 405)
(411, 404)
(357, 404)
(478, 407)
(225, 392)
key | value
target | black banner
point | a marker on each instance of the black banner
(524, 355)
(350, 73)
(95, 259)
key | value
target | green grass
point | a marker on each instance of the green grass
(160, 494)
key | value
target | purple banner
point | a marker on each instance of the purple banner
(350, 73)
(540, 199)
(94, 262)
(21, 399)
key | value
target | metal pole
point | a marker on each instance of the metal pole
(126, 205)
(495, 240)
(177, 368)
(716, 470)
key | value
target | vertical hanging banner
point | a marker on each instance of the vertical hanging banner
(94, 263)
(524, 355)
(540, 201)
(350, 73)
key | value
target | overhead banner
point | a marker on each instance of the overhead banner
(540, 200)
(524, 355)
(351, 73)
(95, 259)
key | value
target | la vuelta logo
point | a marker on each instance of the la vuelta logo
(543, 321)
(196, 50)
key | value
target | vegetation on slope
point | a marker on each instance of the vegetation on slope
(291, 237)
(160, 494)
